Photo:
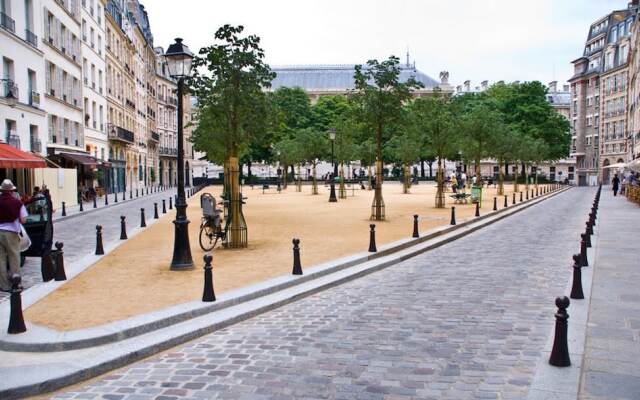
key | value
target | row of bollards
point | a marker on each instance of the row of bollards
(154, 189)
(560, 351)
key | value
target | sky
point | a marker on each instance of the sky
(472, 39)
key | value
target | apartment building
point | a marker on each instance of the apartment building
(633, 100)
(599, 91)
(167, 121)
(93, 79)
(24, 122)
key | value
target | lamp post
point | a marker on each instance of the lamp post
(332, 195)
(179, 60)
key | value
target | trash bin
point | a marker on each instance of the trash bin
(476, 195)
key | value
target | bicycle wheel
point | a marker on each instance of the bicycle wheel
(207, 237)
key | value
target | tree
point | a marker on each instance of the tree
(404, 149)
(313, 145)
(378, 98)
(432, 119)
(229, 82)
(503, 145)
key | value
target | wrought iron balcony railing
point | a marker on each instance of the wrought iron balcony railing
(115, 132)
(7, 22)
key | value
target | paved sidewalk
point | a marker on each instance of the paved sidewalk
(79, 233)
(611, 368)
(468, 320)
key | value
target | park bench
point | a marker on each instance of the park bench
(460, 198)
(267, 187)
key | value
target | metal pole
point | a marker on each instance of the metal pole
(181, 248)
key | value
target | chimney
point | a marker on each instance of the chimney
(467, 86)
(565, 88)
(553, 86)
(484, 85)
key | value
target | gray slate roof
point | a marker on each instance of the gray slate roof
(337, 78)
(559, 98)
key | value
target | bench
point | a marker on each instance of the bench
(460, 198)
(267, 187)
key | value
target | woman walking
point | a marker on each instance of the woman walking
(615, 182)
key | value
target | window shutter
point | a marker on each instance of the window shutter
(51, 127)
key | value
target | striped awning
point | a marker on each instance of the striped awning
(10, 157)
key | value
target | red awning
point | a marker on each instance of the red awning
(10, 157)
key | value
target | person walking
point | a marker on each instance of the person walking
(615, 182)
(12, 214)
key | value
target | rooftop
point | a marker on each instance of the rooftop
(335, 78)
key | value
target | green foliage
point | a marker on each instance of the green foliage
(228, 81)
(313, 145)
(432, 120)
(403, 149)
(477, 128)
(379, 96)
(294, 108)
(329, 111)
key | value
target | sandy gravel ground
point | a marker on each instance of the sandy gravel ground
(135, 278)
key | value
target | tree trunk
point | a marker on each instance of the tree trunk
(478, 175)
(405, 181)
(377, 206)
(515, 180)
(237, 228)
(430, 163)
(440, 185)
(249, 174)
(226, 189)
(314, 182)
(500, 180)
(342, 192)
(284, 177)
(422, 168)
(526, 179)
(299, 185)
(369, 176)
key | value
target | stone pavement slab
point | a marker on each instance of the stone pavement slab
(612, 355)
(468, 320)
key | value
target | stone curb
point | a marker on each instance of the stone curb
(92, 210)
(70, 367)
(37, 339)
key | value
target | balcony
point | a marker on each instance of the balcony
(155, 137)
(120, 134)
(34, 99)
(13, 139)
(9, 88)
(166, 151)
(31, 38)
(7, 22)
(36, 145)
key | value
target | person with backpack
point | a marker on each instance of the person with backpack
(12, 215)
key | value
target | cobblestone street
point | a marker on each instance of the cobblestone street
(79, 233)
(465, 321)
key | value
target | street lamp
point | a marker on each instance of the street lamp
(332, 195)
(179, 60)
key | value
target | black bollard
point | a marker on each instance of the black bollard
(576, 287)
(560, 353)
(123, 228)
(372, 239)
(477, 208)
(164, 207)
(583, 253)
(136, 192)
(130, 194)
(297, 267)
(453, 215)
(59, 260)
(506, 202)
(155, 211)
(495, 204)
(170, 203)
(46, 266)
(95, 205)
(532, 193)
(520, 197)
(16, 319)
(589, 231)
(207, 294)
(64, 209)
(514, 199)
(537, 193)
(415, 227)
(81, 206)
(99, 248)
(593, 218)
(115, 198)
(143, 222)
(586, 239)
(106, 199)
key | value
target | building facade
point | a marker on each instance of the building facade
(167, 121)
(633, 99)
(599, 93)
